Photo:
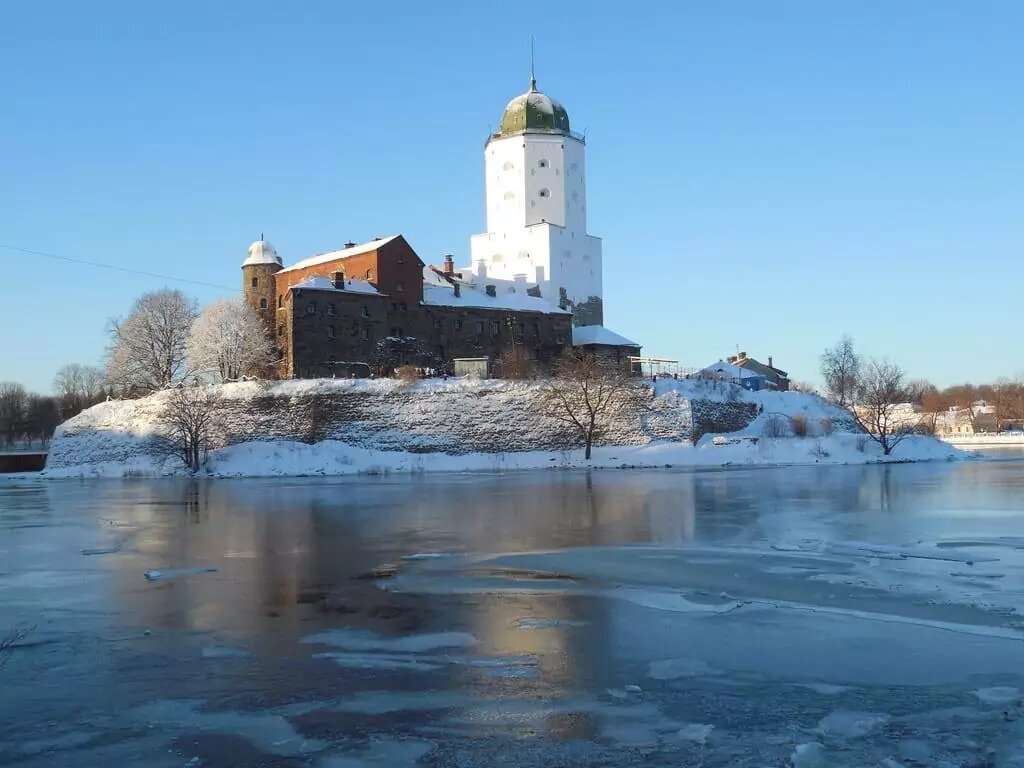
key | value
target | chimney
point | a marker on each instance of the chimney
(339, 280)
(491, 290)
(741, 356)
(449, 264)
(349, 244)
(770, 362)
(731, 359)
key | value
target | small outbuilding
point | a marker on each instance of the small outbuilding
(606, 346)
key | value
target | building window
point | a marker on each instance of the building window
(255, 282)
(399, 286)
(330, 331)
(495, 328)
(263, 303)
(521, 329)
(330, 309)
(311, 308)
(544, 193)
(400, 259)
(438, 323)
(365, 311)
(479, 326)
(280, 330)
(458, 325)
(536, 329)
(542, 164)
(560, 338)
(369, 274)
(366, 333)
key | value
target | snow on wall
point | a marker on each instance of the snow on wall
(464, 418)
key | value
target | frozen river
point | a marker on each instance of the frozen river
(832, 616)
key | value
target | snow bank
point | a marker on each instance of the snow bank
(340, 426)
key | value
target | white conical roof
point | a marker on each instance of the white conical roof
(261, 252)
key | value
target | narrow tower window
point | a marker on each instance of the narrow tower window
(255, 282)
(263, 303)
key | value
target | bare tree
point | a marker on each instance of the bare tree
(42, 416)
(148, 348)
(229, 339)
(78, 387)
(188, 422)
(880, 393)
(583, 395)
(13, 405)
(516, 364)
(840, 368)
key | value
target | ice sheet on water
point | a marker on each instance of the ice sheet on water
(698, 733)
(673, 601)
(360, 640)
(385, 702)
(383, 661)
(673, 669)
(999, 695)
(268, 732)
(176, 573)
(849, 724)
(107, 550)
(381, 752)
(223, 652)
(809, 755)
(826, 689)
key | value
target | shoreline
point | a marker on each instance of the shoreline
(264, 459)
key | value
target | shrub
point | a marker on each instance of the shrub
(776, 425)
(827, 427)
(799, 425)
(407, 373)
(862, 442)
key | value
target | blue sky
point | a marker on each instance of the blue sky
(764, 175)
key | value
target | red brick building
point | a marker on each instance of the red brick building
(378, 304)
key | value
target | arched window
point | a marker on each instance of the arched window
(369, 274)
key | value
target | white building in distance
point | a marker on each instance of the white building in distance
(535, 171)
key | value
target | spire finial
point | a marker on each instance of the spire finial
(533, 73)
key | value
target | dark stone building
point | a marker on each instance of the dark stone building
(377, 305)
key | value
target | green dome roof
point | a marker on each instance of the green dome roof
(534, 112)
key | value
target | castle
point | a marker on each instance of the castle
(534, 284)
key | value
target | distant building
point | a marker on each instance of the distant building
(733, 374)
(607, 347)
(979, 418)
(774, 378)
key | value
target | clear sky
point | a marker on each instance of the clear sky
(764, 174)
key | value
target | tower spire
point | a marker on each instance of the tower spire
(533, 73)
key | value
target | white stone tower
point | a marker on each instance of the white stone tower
(535, 175)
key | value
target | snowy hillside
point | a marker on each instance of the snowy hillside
(330, 426)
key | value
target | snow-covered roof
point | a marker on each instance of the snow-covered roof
(344, 253)
(732, 371)
(442, 294)
(261, 252)
(317, 283)
(586, 335)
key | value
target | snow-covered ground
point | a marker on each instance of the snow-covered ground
(336, 427)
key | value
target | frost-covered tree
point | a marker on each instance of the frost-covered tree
(584, 395)
(229, 339)
(840, 368)
(148, 348)
(78, 387)
(880, 393)
(187, 425)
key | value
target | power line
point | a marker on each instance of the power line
(117, 269)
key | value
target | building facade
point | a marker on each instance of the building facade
(536, 203)
(534, 275)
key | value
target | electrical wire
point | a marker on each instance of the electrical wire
(111, 266)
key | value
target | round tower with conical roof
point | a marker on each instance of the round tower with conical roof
(535, 181)
(258, 284)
